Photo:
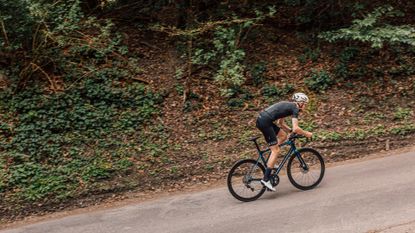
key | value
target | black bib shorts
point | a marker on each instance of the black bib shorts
(270, 131)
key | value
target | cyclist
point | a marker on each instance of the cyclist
(277, 112)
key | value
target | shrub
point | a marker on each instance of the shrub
(404, 130)
(64, 45)
(402, 113)
(273, 92)
(228, 55)
(319, 81)
(236, 96)
(342, 70)
(226, 52)
(235, 102)
(309, 54)
(16, 24)
(257, 73)
(372, 30)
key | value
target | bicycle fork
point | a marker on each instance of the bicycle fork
(303, 164)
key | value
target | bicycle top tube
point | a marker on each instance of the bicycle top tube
(286, 143)
(289, 142)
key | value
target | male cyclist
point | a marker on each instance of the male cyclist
(277, 112)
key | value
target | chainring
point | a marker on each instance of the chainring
(275, 180)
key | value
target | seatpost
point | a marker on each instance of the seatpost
(257, 147)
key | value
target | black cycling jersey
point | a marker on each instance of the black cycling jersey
(276, 111)
(282, 109)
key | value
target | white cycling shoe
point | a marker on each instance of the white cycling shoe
(268, 185)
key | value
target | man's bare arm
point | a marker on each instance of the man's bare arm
(283, 125)
(298, 130)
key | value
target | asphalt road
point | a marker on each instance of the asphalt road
(371, 196)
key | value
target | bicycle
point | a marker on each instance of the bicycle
(304, 163)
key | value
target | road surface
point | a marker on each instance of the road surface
(371, 196)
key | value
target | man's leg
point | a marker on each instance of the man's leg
(270, 132)
(270, 164)
(275, 150)
(282, 137)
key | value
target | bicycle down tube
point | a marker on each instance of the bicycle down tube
(293, 150)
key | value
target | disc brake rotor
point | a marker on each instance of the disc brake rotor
(246, 179)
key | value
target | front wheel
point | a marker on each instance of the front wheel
(305, 170)
(244, 180)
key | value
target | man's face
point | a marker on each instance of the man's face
(302, 106)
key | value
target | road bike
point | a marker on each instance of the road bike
(305, 170)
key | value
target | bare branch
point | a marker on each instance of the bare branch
(3, 28)
(140, 79)
(52, 83)
(173, 31)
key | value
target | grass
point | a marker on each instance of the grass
(402, 113)
(371, 117)
(217, 133)
(361, 134)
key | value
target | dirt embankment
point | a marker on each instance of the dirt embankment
(352, 119)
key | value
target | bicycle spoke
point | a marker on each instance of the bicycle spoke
(245, 180)
(306, 178)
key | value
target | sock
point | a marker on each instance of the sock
(267, 174)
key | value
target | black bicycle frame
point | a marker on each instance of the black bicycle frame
(293, 150)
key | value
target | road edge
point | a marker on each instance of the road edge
(137, 198)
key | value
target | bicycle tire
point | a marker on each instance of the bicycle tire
(290, 168)
(232, 173)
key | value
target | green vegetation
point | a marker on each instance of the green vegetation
(227, 53)
(403, 130)
(97, 96)
(273, 93)
(368, 30)
(257, 73)
(71, 117)
(403, 113)
(377, 29)
(371, 117)
(342, 70)
(329, 136)
(57, 142)
(308, 125)
(309, 54)
(319, 80)
(361, 134)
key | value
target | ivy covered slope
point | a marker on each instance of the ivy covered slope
(100, 97)
(72, 117)
(61, 145)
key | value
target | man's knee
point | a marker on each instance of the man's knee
(275, 149)
(283, 139)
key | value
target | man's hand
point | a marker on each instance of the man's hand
(308, 134)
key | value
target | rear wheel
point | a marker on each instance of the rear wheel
(305, 170)
(244, 180)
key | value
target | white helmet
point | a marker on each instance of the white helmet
(300, 98)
